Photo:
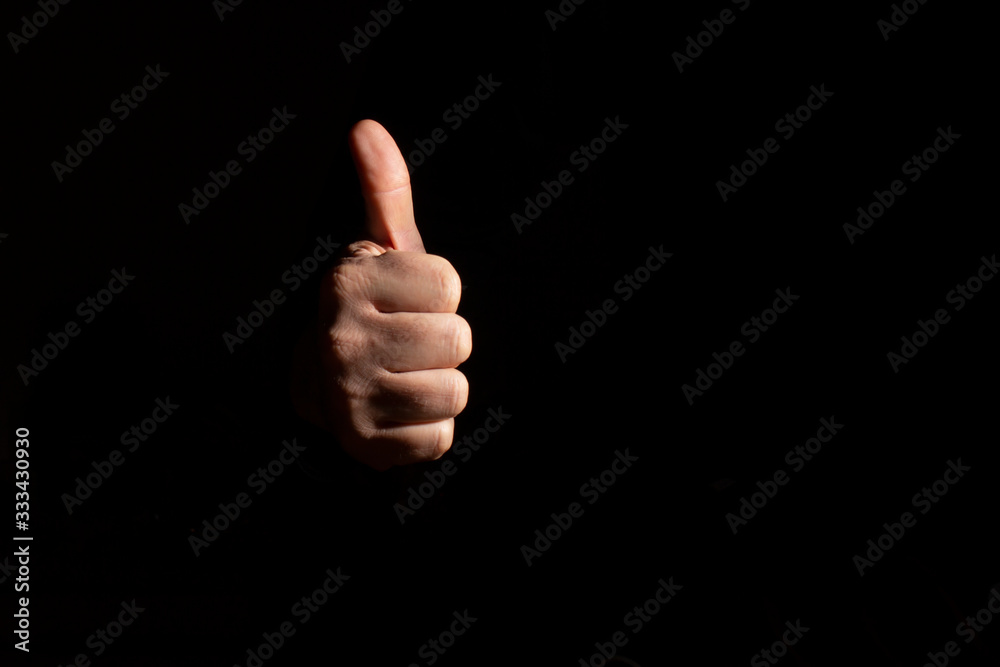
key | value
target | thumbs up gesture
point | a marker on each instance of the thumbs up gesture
(390, 340)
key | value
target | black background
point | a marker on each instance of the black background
(656, 185)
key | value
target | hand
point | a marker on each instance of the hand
(389, 340)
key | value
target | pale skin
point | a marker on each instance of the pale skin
(381, 370)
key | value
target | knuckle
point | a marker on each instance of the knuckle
(443, 436)
(356, 392)
(457, 392)
(360, 423)
(351, 378)
(460, 339)
(344, 345)
(449, 284)
(348, 280)
(365, 248)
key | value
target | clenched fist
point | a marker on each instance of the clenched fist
(389, 339)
